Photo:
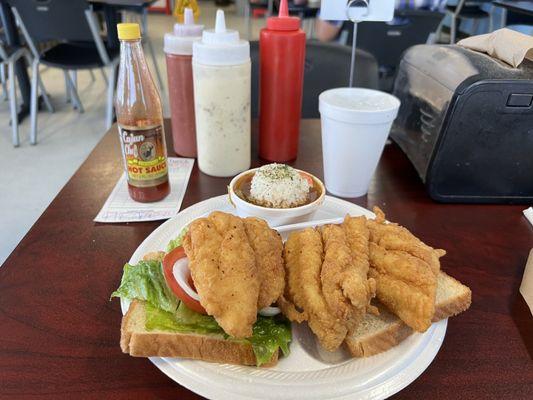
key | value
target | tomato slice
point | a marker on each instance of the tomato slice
(308, 178)
(168, 271)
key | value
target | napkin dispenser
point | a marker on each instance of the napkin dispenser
(466, 124)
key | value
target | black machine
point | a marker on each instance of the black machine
(466, 124)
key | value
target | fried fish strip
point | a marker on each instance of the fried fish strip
(343, 289)
(224, 271)
(357, 238)
(268, 249)
(405, 270)
(303, 263)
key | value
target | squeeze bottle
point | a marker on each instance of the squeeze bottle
(282, 59)
(178, 50)
(222, 85)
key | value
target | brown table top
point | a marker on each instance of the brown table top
(59, 333)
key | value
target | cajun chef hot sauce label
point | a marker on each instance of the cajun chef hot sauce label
(144, 155)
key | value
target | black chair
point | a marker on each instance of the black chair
(8, 58)
(388, 41)
(327, 66)
(10, 55)
(72, 25)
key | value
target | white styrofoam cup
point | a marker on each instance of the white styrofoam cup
(355, 126)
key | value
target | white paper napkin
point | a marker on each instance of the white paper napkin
(529, 214)
(526, 288)
(504, 44)
(119, 207)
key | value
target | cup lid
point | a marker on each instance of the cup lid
(358, 105)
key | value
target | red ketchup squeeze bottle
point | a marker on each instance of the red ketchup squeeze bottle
(282, 58)
(178, 50)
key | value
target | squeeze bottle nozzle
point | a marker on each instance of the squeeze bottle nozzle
(283, 22)
(188, 18)
(283, 9)
(220, 24)
(221, 46)
(188, 28)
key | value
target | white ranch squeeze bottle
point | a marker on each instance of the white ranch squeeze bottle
(222, 85)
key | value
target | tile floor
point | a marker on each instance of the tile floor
(31, 176)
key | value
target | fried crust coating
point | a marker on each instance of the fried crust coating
(224, 271)
(357, 238)
(303, 262)
(268, 249)
(405, 270)
(344, 286)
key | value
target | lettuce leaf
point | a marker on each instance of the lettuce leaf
(145, 281)
(184, 321)
(269, 333)
(177, 241)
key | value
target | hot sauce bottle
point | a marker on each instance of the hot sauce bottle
(140, 121)
(282, 58)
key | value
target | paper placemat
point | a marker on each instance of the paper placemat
(119, 207)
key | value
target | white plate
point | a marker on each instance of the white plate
(309, 372)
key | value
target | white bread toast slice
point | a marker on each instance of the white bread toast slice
(378, 333)
(139, 342)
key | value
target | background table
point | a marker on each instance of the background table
(59, 333)
(111, 9)
(519, 7)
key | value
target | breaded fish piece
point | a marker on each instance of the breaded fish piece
(224, 271)
(268, 249)
(303, 298)
(405, 270)
(343, 286)
(357, 238)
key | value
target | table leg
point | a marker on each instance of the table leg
(112, 18)
(504, 18)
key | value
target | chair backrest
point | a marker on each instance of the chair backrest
(62, 20)
(387, 42)
(327, 66)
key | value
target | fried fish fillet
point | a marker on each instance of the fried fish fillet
(357, 238)
(405, 270)
(268, 249)
(344, 278)
(224, 271)
(303, 298)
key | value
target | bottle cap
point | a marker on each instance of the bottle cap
(283, 22)
(180, 42)
(221, 46)
(188, 28)
(128, 31)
